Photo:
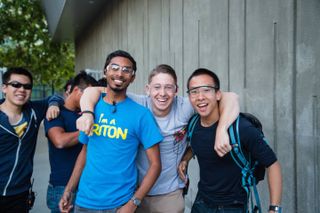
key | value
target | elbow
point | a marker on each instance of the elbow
(59, 145)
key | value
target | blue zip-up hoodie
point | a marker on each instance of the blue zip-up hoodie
(16, 154)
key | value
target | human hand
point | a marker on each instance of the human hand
(182, 170)
(85, 123)
(65, 203)
(129, 207)
(222, 142)
(52, 112)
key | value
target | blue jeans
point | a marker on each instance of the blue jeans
(78, 209)
(54, 194)
(199, 206)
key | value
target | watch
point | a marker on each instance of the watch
(135, 201)
(275, 208)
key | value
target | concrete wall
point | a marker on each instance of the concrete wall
(266, 51)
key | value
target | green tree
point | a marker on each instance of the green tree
(25, 41)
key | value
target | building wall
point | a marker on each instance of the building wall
(265, 51)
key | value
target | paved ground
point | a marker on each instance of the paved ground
(41, 173)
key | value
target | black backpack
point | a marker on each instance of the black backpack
(251, 171)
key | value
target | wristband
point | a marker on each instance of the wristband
(87, 111)
(275, 208)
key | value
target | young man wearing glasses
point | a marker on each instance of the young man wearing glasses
(172, 113)
(106, 162)
(219, 188)
(20, 119)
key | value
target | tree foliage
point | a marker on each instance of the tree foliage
(25, 41)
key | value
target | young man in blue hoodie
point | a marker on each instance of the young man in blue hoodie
(20, 119)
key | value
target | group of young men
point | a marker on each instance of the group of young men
(114, 163)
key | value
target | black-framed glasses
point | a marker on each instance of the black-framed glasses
(18, 85)
(116, 67)
(205, 90)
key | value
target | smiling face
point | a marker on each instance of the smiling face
(17, 96)
(162, 90)
(203, 97)
(119, 79)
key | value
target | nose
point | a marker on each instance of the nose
(200, 96)
(162, 91)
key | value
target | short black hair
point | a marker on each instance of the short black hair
(83, 80)
(68, 83)
(102, 82)
(120, 53)
(204, 71)
(18, 71)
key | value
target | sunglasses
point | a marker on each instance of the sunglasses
(18, 85)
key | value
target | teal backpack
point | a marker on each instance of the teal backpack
(251, 171)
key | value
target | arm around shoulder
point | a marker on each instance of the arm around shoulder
(229, 110)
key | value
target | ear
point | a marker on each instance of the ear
(147, 89)
(4, 88)
(132, 78)
(218, 95)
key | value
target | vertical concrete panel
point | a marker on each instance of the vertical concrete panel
(213, 38)
(176, 41)
(135, 42)
(307, 94)
(191, 16)
(237, 36)
(283, 140)
(155, 32)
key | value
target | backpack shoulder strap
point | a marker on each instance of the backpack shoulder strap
(236, 152)
(239, 158)
(191, 124)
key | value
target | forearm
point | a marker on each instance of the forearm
(228, 109)
(187, 155)
(90, 97)
(275, 183)
(152, 173)
(77, 171)
(62, 139)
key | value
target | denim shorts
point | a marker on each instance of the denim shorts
(199, 206)
(54, 194)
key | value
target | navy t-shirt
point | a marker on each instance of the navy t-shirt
(62, 160)
(220, 178)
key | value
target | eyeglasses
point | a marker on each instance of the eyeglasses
(168, 88)
(18, 85)
(125, 69)
(205, 90)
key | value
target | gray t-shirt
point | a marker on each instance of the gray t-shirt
(172, 148)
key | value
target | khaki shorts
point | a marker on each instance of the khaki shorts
(167, 203)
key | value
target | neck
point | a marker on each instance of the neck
(114, 96)
(13, 112)
(70, 104)
(210, 119)
(9, 108)
(160, 113)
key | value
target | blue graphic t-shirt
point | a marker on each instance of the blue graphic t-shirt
(110, 174)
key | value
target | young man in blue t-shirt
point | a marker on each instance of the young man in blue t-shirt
(63, 142)
(106, 162)
(219, 188)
